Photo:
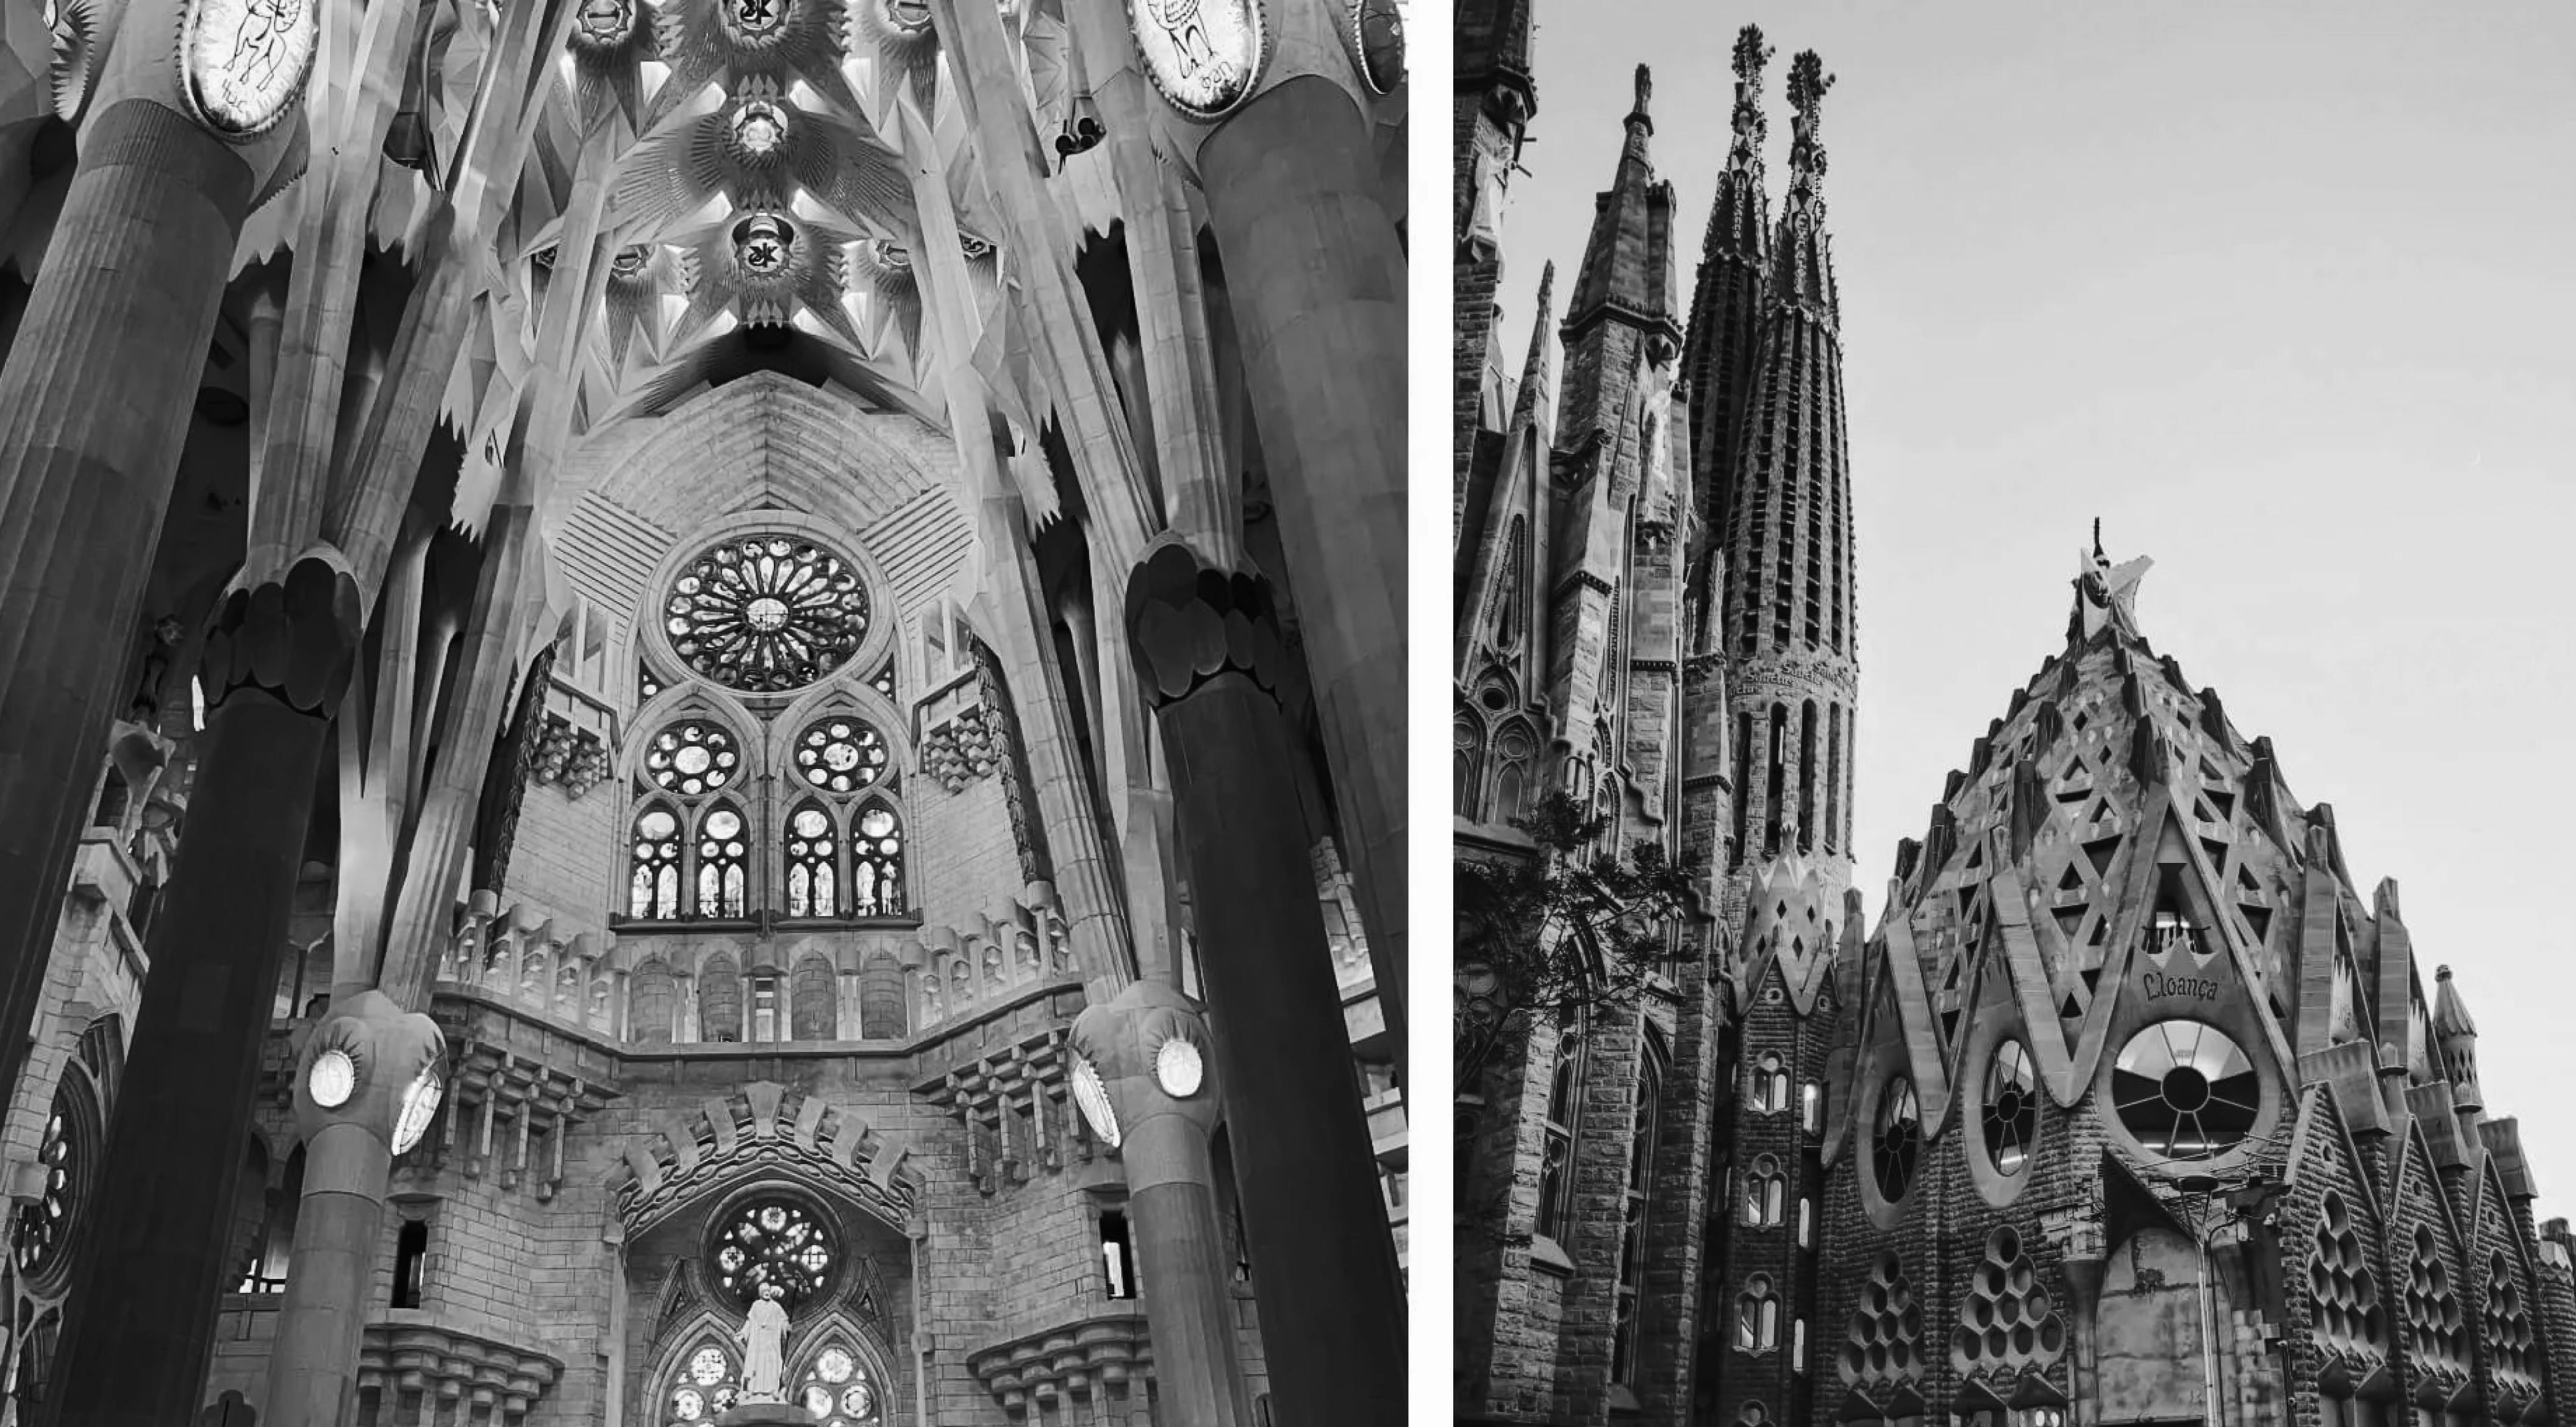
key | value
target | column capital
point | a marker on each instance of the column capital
(294, 635)
(1143, 1055)
(1190, 621)
(383, 1073)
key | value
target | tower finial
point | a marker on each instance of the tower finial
(1645, 97)
(2097, 539)
(1807, 85)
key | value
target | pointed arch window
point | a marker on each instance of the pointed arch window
(1628, 1299)
(654, 861)
(706, 1385)
(1556, 1154)
(836, 1390)
(876, 861)
(813, 862)
(2510, 1343)
(1766, 1194)
(1770, 1088)
(1757, 1316)
(724, 881)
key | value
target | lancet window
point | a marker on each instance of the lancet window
(1556, 1155)
(1757, 1316)
(1766, 1194)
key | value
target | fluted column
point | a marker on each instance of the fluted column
(94, 407)
(140, 1325)
(1332, 1312)
(381, 1058)
(1146, 1055)
(1314, 275)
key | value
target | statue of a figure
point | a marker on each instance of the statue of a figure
(763, 1336)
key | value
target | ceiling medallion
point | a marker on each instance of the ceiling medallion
(975, 249)
(910, 16)
(1204, 55)
(603, 24)
(759, 127)
(892, 254)
(762, 245)
(243, 63)
(754, 21)
(631, 261)
(1376, 37)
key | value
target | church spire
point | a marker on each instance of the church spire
(1802, 257)
(1525, 400)
(1726, 308)
(1627, 272)
(1789, 607)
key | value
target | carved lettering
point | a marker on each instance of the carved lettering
(2197, 988)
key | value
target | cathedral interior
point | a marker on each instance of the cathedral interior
(701, 725)
(2126, 1105)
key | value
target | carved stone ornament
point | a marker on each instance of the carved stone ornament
(1205, 56)
(1374, 32)
(297, 638)
(1189, 623)
(243, 63)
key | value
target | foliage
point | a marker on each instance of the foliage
(1567, 931)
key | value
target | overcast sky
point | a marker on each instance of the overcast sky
(2282, 293)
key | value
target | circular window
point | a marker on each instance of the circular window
(766, 613)
(840, 755)
(691, 758)
(1899, 1141)
(2185, 1090)
(776, 1241)
(2012, 1107)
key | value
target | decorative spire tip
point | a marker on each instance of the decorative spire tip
(1645, 92)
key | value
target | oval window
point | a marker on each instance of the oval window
(2185, 1090)
(1899, 1141)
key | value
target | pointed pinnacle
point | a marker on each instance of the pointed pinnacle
(1807, 85)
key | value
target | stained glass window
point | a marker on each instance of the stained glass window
(876, 863)
(45, 1224)
(722, 882)
(691, 758)
(706, 1385)
(812, 890)
(655, 889)
(774, 1241)
(840, 755)
(883, 683)
(766, 613)
(837, 1390)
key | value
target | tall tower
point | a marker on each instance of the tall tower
(1788, 609)
(1726, 317)
(1495, 101)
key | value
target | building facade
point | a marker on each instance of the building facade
(617, 669)
(2126, 1107)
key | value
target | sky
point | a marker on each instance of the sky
(2283, 294)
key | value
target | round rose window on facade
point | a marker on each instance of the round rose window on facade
(1898, 1142)
(2185, 1091)
(2012, 1107)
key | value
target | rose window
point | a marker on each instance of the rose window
(691, 758)
(840, 755)
(707, 1385)
(759, 127)
(2012, 1107)
(767, 613)
(774, 1241)
(2185, 1090)
(45, 1225)
(1899, 1142)
(837, 1392)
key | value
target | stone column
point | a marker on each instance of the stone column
(94, 406)
(140, 1324)
(1332, 1312)
(366, 1057)
(1146, 1054)
(1315, 279)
